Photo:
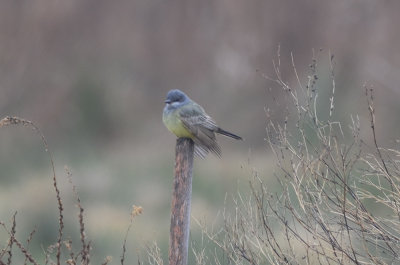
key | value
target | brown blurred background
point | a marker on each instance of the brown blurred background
(93, 76)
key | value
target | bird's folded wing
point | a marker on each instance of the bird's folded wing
(202, 127)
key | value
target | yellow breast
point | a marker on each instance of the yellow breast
(175, 125)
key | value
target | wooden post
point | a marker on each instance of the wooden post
(181, 201)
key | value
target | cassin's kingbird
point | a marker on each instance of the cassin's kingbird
(185, 118)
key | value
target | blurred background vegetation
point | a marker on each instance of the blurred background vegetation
(93, 76)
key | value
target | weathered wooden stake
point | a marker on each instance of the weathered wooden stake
(181, 201)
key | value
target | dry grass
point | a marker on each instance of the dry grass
(61, 252)
(7, 121)
(339, 197)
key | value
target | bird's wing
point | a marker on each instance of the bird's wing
(202, 127)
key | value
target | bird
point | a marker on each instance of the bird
(187, 119)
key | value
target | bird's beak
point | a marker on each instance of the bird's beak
(167, 101)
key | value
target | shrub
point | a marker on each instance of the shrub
(339, 197)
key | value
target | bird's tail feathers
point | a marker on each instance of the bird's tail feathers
(229, 134)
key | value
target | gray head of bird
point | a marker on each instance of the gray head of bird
(176, 98)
